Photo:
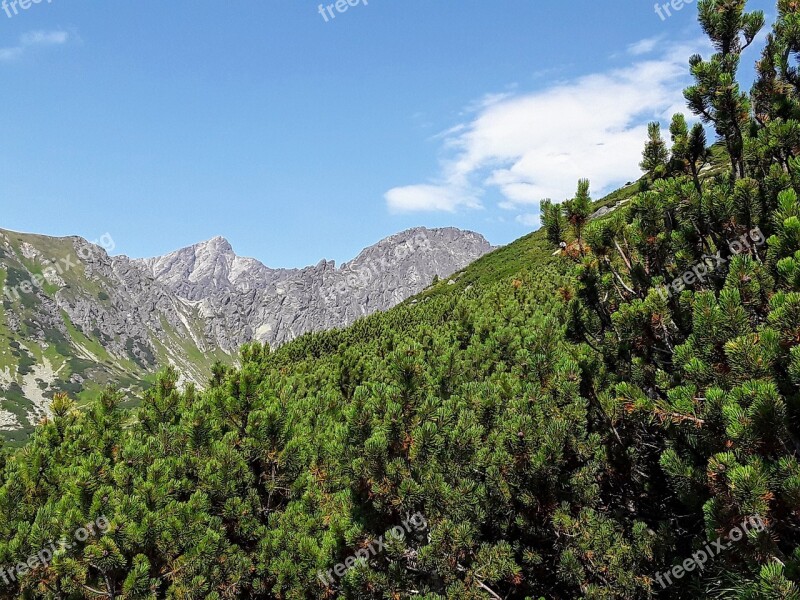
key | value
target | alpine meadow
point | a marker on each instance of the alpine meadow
(607, 408)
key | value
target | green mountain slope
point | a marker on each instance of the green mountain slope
(606, 409)
(68, 324)
(41, 352)
(74, 319)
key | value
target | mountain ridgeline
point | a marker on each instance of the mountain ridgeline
(608, 408)
(75, 319)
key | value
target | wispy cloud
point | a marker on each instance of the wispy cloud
(530, 146)
(528, 220)
(645, 46)
(431, 198)
(33, 39)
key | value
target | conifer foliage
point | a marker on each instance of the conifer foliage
(571, 423)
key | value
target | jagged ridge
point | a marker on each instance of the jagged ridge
(102, 320)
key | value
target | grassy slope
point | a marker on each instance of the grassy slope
(524, 258)
(77, 353)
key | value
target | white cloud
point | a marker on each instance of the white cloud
(530, 146)
(33, 39)
(44, 38)
(529, 220)
(8, 54)
(424, 197)
(645, 46)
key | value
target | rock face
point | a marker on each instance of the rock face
(75, 319)
(240, 299)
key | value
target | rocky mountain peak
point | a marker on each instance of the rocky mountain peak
(216, 244)
(108, 319)
(277, 305)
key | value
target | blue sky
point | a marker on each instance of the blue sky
(167, 123)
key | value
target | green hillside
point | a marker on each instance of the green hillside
(608, 408)
(43, 353)
(38, 359)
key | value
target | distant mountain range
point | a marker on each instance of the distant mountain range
(75, 319)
